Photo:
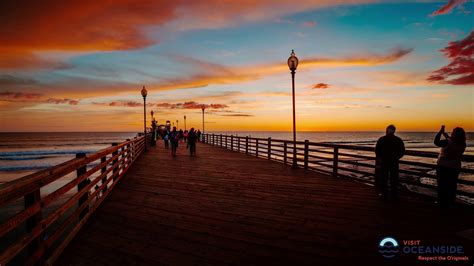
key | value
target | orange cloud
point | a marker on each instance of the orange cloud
(32, 27)
(76, 25)
(227, 75)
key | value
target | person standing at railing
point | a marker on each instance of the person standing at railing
(449, 163)
(389, 150)
(192, 137)
(174, 140)
(198, 134)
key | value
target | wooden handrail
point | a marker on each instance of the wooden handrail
(339, 157)
(93, 185)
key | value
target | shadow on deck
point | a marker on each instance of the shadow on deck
(223, 207)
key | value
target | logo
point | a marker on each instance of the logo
(388, 247)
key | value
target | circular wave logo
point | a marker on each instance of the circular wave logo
(388, 247)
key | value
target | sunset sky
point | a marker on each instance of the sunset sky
(79, 65)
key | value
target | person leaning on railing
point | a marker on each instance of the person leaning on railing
(388, 151)
(449, 163)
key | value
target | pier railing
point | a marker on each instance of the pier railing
(417, 168)
(38, 233)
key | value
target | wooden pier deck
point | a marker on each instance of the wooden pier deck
(223, 207)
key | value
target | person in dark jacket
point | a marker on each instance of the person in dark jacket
(192, 137)
(174, 140)
(449, 164)
(198, 134)
(388, 151)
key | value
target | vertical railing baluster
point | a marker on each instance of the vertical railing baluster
(285, 157)
(83, 199)
(31, 199)
(269, 148)
(306, 153)
(232, 142)
(238, 144)
(115, 161)
(102, 171)
(246, 144)
(335, 161)
(256, 148)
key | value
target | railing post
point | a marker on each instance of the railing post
(129, 157)
(29, 200)
(269, 148)
(220, 138)
(83, 199)
(115, 171)
(285, 157)
(102, 171)
(335, 161)
(246, 144)
(306, 153)
(238, 144)
(256, 148)
(231, 142)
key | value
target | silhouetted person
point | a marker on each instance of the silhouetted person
(174, 140)
(166, 138)
(185, 135)
(449, 164)
(388, 151)
(198, 133)
(192, 138)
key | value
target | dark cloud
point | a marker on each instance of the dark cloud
(18, 96)
(460, 71)
(62, 101)
(448, 7)
(190, 105)
(320, 86)
(121, 104)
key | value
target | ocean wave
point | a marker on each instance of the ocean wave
(32, 145)
(43, 152)
(11, 168)
(23, 158)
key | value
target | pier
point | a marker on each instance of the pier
(237, 202)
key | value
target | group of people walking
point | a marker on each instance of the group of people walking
(174, 137)
(390, 149)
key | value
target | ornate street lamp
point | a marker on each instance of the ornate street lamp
(185, 122)
(152, 113)
(203, 108)
(177, 124)
(144, 94)
(293, 64)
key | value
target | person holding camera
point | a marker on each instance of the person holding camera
(449, 163)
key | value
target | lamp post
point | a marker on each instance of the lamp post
(203, 108)
(152, 113)
(144, 94)
(177, 124)
(184, 123)
(293, 64)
